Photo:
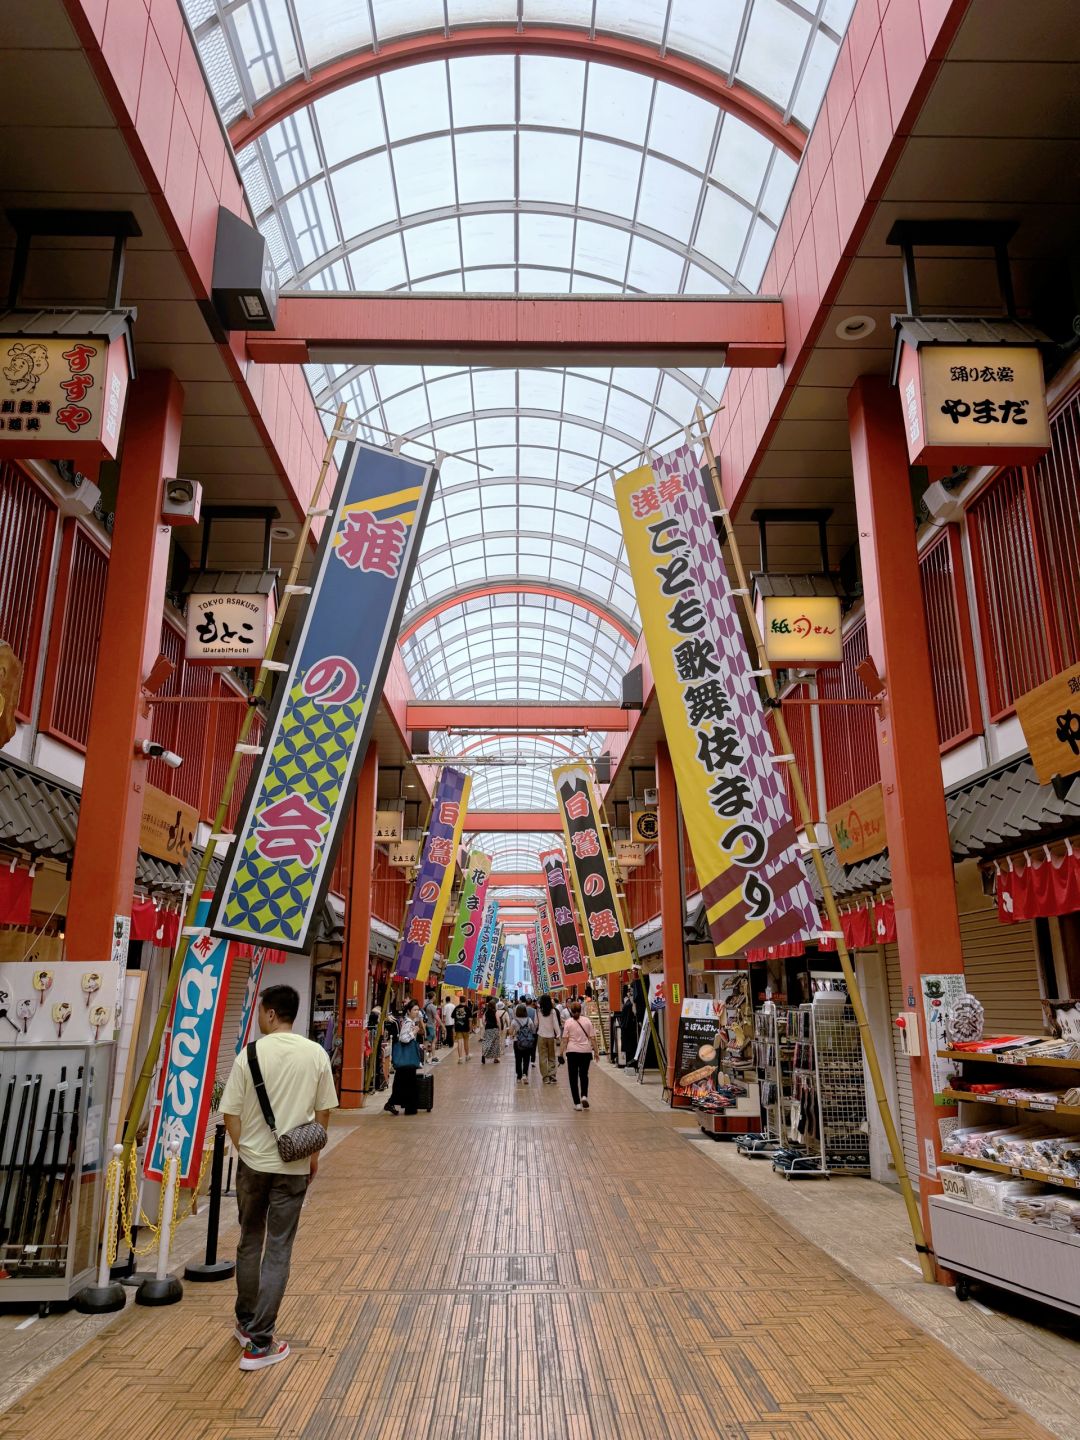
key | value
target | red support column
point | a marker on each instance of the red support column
(110, 811)
(354, 959)
(671, 902)
(928, 929)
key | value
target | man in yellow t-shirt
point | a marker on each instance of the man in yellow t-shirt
(270, 1191)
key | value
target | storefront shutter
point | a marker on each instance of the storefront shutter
(1002, 969)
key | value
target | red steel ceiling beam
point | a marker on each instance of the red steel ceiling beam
(619, 50)
(503, 879)
(514, 822)
(517, 587)
(478, 715)
(530, 331)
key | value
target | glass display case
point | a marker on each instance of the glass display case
(53, 1122)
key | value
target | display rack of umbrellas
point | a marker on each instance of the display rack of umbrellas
(39, 1159)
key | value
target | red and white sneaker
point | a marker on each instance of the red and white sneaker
(253, 1359)
(239, 1333)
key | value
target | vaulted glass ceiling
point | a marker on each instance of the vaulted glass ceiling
(522, 786)
(519, 173)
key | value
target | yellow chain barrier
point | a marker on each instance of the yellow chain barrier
(129, 1203)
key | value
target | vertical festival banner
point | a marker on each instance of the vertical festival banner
(591, 871)
(435, 877)
(549, 949)
(469, 919)
(251, 989)
(279, 865)
(541, 960)
(482, 954)
(187, 1075)
(744, 844)
(500, 963)
(571, 960)
(534, 963)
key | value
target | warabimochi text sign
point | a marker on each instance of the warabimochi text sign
(973, 404)
(62, 396)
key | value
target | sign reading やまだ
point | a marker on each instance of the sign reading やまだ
(974, 404)
(858, 826)
(592, 871)
(64, 395)
(743, 841)
(279, 866)
(1050, 718)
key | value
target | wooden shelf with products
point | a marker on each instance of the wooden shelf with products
(1010, 1057)
(1048, 1177)
(1040, 1107)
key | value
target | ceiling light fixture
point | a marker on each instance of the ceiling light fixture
(856, 327)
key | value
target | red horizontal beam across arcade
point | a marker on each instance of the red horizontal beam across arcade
(499, 330)
(451, 715)
(504, 879)
(508, 822)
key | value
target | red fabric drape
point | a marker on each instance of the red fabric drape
(858, 929)
(144, 919)
(15, 890)
(1036, 891)
(884, 922)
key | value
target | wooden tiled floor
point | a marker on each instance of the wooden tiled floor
(506, 1267)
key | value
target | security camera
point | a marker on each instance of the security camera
(153, 751)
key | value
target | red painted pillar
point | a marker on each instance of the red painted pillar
(671, 902)
(354, 959)
(928, 929)
(107, 843)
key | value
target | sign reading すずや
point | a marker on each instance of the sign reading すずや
(745, 849)
(974, 404)
(591, 871)
(63, 395)
(857, 827)
(279, 866)
(1050, 718)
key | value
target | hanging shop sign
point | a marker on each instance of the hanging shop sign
(571, 960)
(64, 395)
(734, 803)
(228, 629)
(388, 825)
(973, 404)
(801, 630)
(187, 1076)
(857, 827)
(404, 854)
(629, 853)
(469, 919)
(550, 948)
(278, 869)
(167, 828)
(1050, 718)
(435, 877)
(11, 673)
(645, 826)
(592, 871)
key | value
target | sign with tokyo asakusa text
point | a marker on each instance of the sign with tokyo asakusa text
(745, 849)
(973, 404)
(278, 869)
(435, 877)
(227, 628)
(62, 395)
(187, 1075)
(571, 960)
(470, 917)
(592, 872)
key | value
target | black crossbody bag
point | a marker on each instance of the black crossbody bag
(295, 1144)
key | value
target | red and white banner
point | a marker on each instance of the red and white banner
(1039, 891)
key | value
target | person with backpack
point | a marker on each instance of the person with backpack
(277, 1102)
(548, 1033)
(524, 1033)
(407, 1056)
(578, 1047)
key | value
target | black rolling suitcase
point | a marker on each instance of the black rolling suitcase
(425, 1092)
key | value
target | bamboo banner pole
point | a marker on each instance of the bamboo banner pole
(806, 822)
(262, 686)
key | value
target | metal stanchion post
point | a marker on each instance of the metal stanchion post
(212, 1268)
(106, 1295)
(162, 1288)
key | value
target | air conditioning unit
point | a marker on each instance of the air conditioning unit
(650, 797)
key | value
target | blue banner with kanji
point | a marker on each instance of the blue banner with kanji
(435, 877)
(278, 868)
(482, 959)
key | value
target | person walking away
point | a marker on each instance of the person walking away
(524, 1033)
(462, 1022)
(548, 1035)
(431, 1023)
(270, 1191)
(491, 1039)
(448, 1023)
(407, 1053)
(534, 1016)
(578, 1046)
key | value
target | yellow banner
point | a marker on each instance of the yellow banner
(446, 814)
(744, 845)
(603, 928)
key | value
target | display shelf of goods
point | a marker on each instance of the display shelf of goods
(1048, 1177)
(1036, 1261)
(965, 1097)
(1010, 1057)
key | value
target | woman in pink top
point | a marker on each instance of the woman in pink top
(578, 1045)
